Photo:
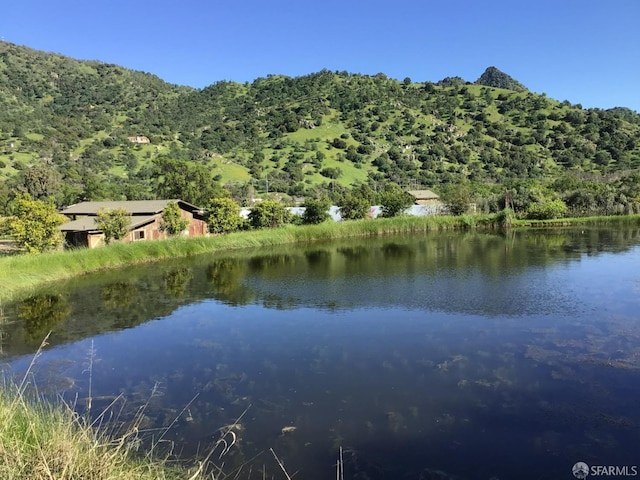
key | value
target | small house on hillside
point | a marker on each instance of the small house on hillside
(139, 139)
(146, 218)
(425, 197)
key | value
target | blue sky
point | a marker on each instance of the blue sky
(586, 51)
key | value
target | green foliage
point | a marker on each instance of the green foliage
(172, 221)
(354, 206)
(4, 227)
(34, 224)
(615, 197)
(547, 209)
(504, 218)
(492, 77)
(186, 181)
(41, 181)
(302, 131)
(394, 200)
(316, 211)
(331, 172)
(269, 214)
(339, 143)
(223, 215)
(114, 223)
(457, 198)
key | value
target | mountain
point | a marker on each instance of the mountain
(492, 77)
(80, 130)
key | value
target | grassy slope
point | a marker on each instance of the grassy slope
(143, 92)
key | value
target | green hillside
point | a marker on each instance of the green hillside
(65, 126)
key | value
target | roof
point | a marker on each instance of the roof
(134, 207)
(423, 194)
(88, 224)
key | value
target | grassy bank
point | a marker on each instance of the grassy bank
(20, 274)
(39, 440)
(43, 440)
(602, 220)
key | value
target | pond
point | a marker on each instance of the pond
(449, 355)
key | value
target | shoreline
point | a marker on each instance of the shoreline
(20, 274)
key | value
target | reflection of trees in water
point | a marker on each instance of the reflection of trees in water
(42, 313)
(286, 277)
(279, 302)
(356, 253)
(398, 250)
(318, 258)
(3, 334)
(225, 277)
(176, 281)
(595, 240)
(268, 262)
(283, 279)
(117, 294)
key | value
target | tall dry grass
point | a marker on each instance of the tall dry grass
(41, 440)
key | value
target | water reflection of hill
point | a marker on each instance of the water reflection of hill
(475, 273)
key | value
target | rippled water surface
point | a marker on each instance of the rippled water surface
(470, 356)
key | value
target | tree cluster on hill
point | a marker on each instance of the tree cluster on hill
(492, 77)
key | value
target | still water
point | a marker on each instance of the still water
(468, 356)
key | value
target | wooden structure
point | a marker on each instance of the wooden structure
(425, 197)
(146, 218)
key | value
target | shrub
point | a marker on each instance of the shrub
(172, 221)
(504, 218)
(457, 198)
(223, 215)
(394, 200)
(331, 172)
(316, 211)
(353, 206)
(546, 210)
(269, 214)
(34, 224)
(339, 143)
(114, 223)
